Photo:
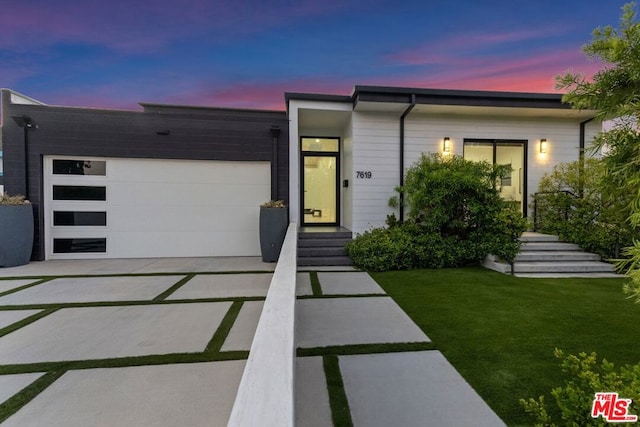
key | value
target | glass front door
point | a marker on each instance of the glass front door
(320, 179)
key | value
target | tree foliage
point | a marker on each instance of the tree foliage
(615, 92)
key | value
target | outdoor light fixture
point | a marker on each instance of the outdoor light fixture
(446, 145)
(543, 146)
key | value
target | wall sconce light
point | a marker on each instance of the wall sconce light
(543, 146)
(446, 145)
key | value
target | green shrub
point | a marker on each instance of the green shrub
(592, 214)
(456, 218)
(382, 249)
(574, 401)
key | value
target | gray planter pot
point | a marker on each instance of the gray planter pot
(16, 229)
(273, 227)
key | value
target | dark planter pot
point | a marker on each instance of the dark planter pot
(273, 227)
(16, 231)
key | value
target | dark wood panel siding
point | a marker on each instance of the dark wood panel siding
(194, 134)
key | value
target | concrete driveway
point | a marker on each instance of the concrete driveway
(164, 342)
(158, 342)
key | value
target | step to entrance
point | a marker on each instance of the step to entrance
(543, 255)
(320, 246)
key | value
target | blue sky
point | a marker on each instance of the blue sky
(247, 53)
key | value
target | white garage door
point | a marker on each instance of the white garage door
(133, 208)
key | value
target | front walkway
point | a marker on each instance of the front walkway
(164, 342)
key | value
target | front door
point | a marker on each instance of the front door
(320, 181)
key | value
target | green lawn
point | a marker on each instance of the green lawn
(500, 331)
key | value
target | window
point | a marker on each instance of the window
(321, 144)
(513, 186)
(79, 245)
(79, 167)
(79, 192)
(73, 218)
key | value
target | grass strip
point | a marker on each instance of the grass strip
(123, 362)
(174, 288)
(23, 287)
(13, 404)
(344, 350)
(315, 284)
(125, 303)
(26, 321)
(215, 344)
(340, 412)
(340, 296)
(174, 273)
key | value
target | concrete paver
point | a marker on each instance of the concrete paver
(92, 289)
(10, 317)
(312, 398)
(244, 328)
(303, 284)
(224, 286)
(341, 321)
(411, 389)
(348, 284)
(7, 285)
(108, 332)
(195, 394)
(12, 384)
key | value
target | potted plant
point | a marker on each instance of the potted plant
(16, 229)
(273, 227)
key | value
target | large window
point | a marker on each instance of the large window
(513, 186)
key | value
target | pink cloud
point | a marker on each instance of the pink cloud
(532, 73)
(454, 49)
(138, 26)
(262, 95)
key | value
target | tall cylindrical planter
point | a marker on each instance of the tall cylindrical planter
(273, 227)
(16, 234)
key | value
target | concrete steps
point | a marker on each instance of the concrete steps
(323, 247)
(542, 255)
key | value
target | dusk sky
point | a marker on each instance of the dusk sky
(247, 53)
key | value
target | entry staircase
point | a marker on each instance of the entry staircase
(320, 246)
(543, 255)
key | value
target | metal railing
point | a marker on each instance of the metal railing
(536, 207)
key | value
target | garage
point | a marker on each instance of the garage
(104, 207)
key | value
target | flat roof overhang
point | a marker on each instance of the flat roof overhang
(461, 102)
(465, 102)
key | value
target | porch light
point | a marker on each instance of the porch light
(446, 145)
(543, 146)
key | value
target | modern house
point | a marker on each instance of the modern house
(188, 181)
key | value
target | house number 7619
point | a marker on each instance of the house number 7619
(364, 174)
